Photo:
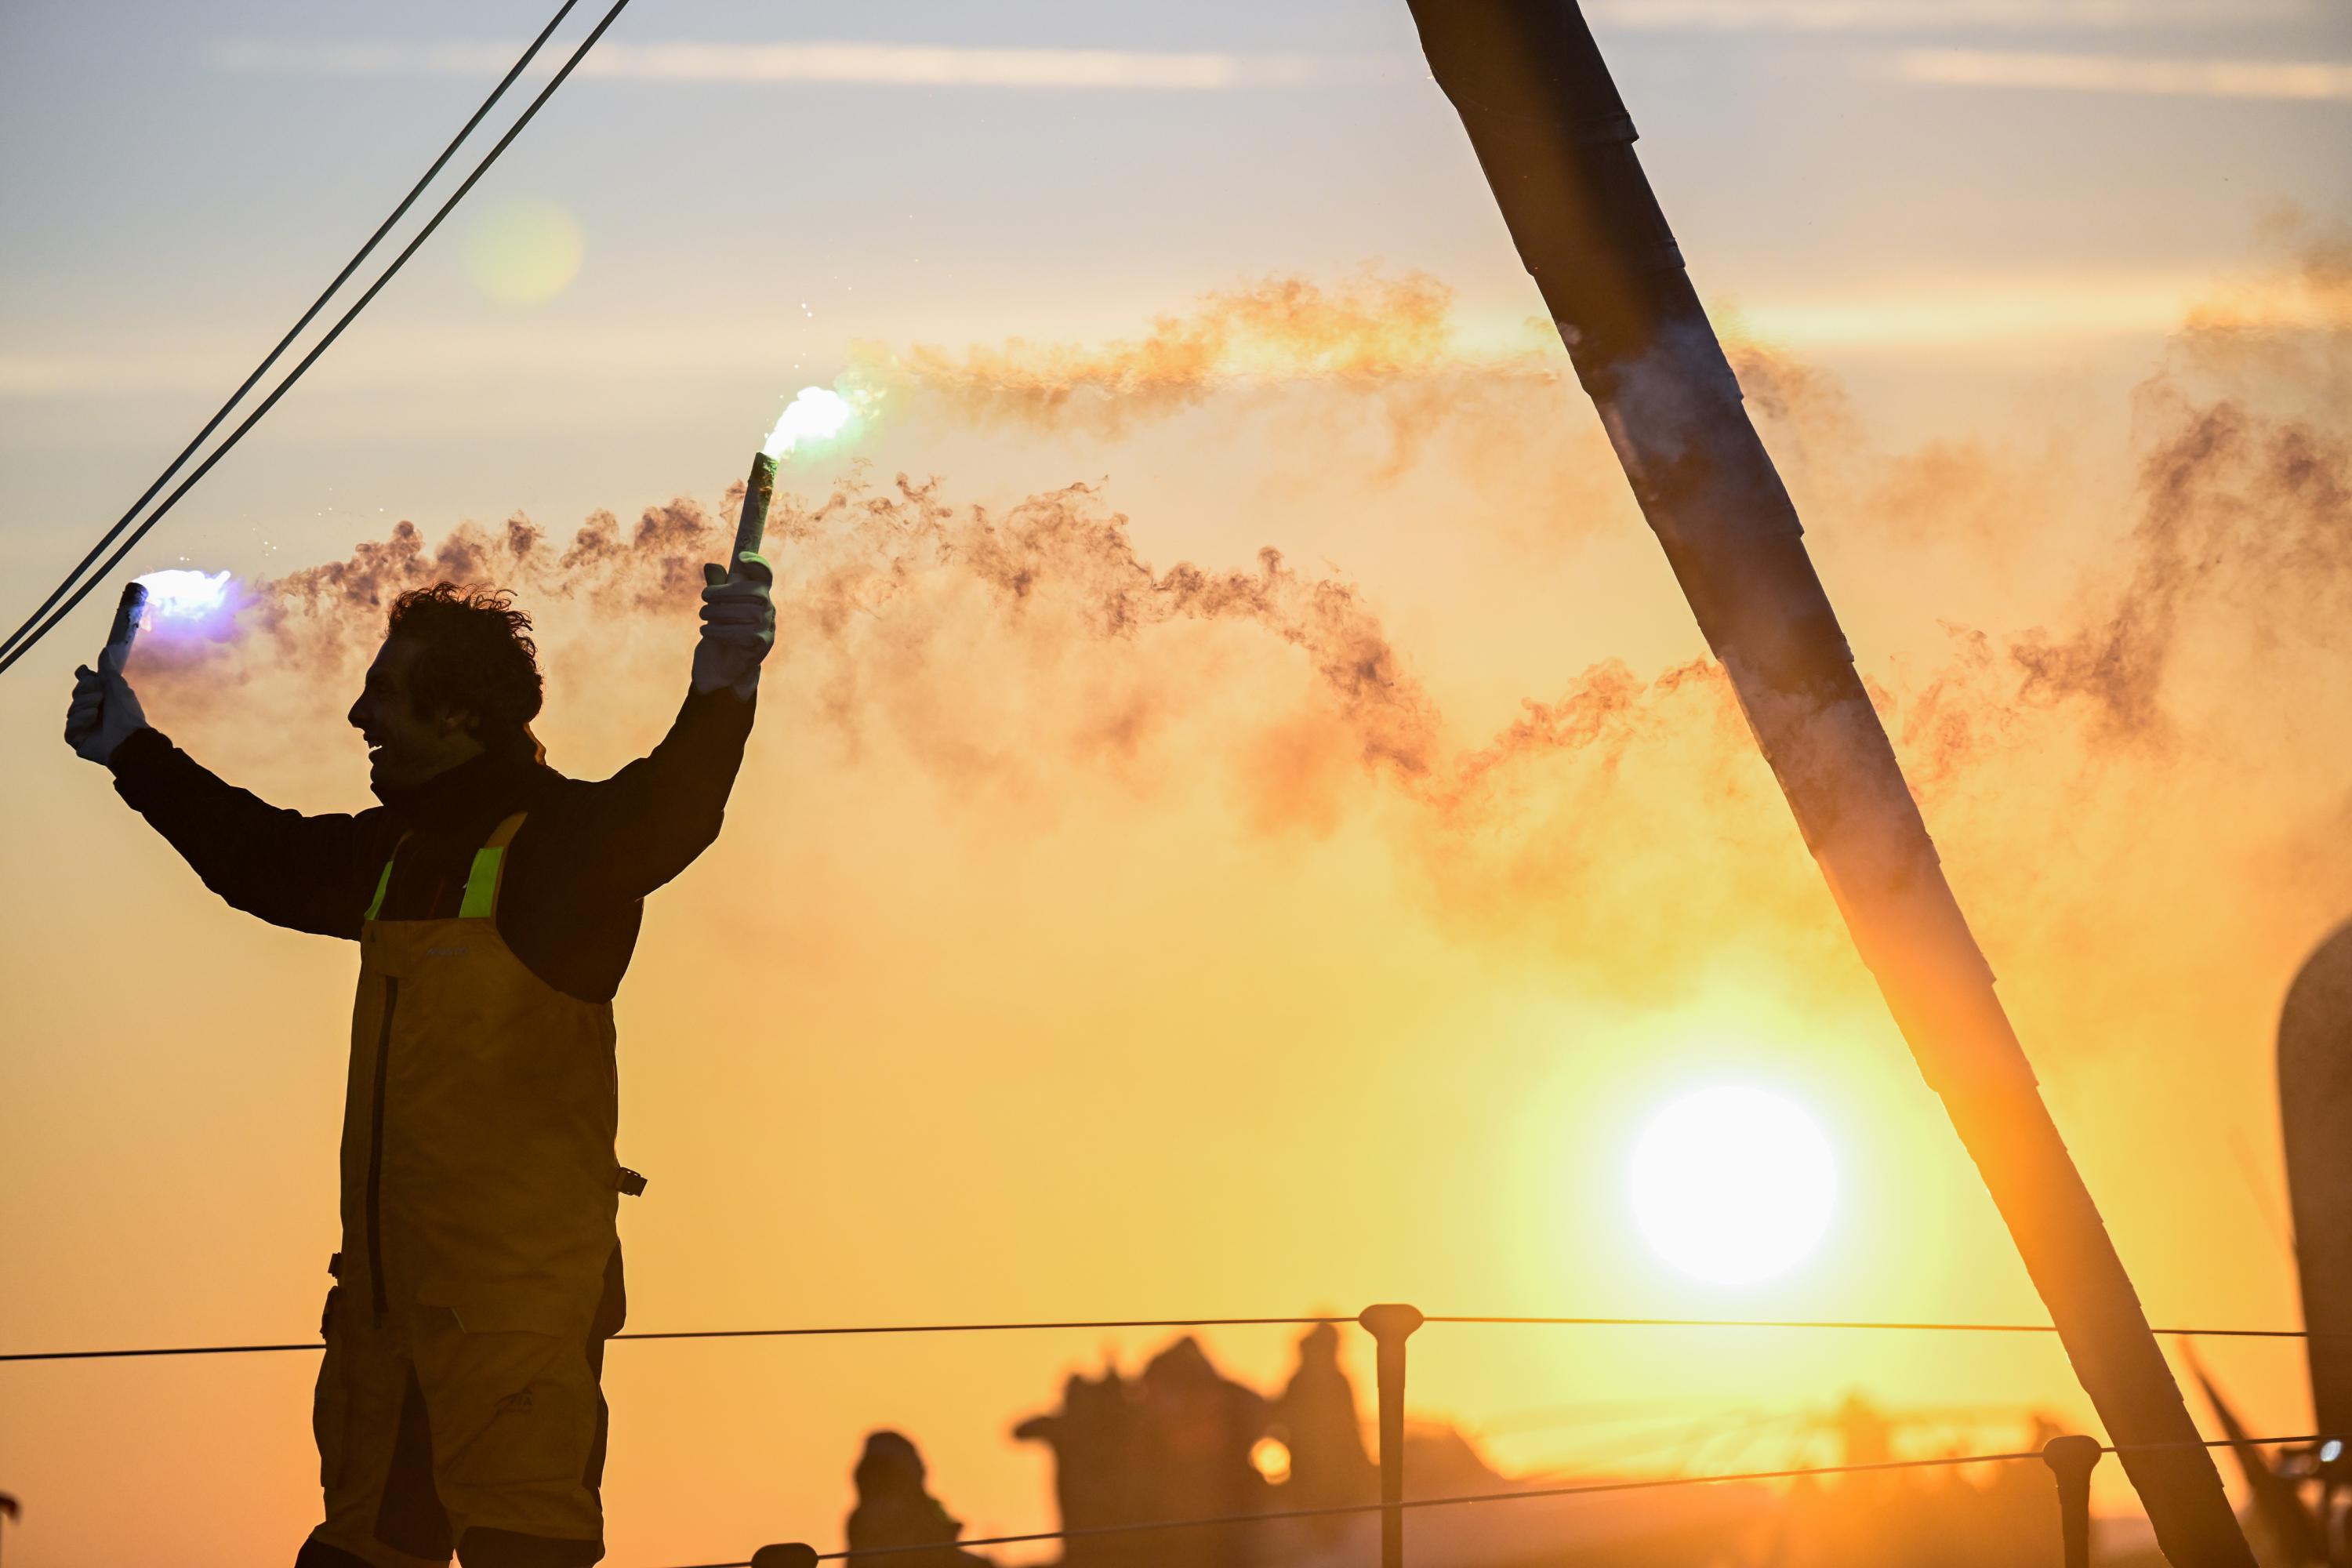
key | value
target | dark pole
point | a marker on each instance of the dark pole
(1557, 146)
(785, 1554)
(2071, 1460)
(1391, 1325)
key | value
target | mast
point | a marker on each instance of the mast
(1557, 145)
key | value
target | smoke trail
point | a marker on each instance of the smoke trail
(1621, 825)
(1365, 334)
(869, 570)
(2248, 504)
(1285, 353)
(862, 561)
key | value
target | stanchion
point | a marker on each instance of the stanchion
(785, 1554)
(1391, 1325)
(2071, 1459)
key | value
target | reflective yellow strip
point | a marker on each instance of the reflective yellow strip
(482, 885)
(382, 883)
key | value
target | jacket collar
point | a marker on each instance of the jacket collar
(472, 797)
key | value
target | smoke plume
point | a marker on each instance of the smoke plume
(1620, 826)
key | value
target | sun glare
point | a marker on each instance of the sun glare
(1733, 1184)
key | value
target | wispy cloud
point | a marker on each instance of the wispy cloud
(856, 64)
(1930, 15)
(2304, 79)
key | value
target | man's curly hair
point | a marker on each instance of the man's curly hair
(479, 657)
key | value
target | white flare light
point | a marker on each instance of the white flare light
(815, 414)
(184, 595)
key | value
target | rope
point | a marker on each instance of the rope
(1589, 1490)
(24, 643)
(295, 330)
(1197, 1323)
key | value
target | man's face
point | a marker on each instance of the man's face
(405, 747)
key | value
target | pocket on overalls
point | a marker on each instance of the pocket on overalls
(330, 1400)
(510, 1369)
(537, 1404)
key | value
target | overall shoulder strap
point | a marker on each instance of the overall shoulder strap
(383, 881)
(481, 900)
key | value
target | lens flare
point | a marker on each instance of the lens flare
(1733, 1184)
(815, 415)
(524, 252)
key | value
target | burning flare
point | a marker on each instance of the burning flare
(816, 413)
(180, 595)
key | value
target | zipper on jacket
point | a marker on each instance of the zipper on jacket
(375, 1151)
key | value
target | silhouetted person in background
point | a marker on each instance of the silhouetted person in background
(495, 903)
(1098, 1475)
(1173, 1445)
(1198, 1440)
(896, 1509)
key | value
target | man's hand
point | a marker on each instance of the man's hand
(739, 626)
(104, 711)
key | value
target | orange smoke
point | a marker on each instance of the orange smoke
(1362, 334)
(1622, 825)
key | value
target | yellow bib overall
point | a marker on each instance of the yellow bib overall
(479, 1195)
(477, 1161)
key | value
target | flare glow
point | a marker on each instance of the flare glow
(180, 595)
(815, 414)
(184, 604)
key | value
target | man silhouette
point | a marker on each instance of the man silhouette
(496, 904)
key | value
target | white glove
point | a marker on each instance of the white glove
(104, 711)
(739, 625)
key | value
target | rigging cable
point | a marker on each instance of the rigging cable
(295, 330)
(23, 641)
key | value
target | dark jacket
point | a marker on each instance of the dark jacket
(575, 876)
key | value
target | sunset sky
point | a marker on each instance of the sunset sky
(1049, 971)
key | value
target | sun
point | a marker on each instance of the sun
(1733, 1184)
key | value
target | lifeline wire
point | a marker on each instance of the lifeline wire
(1846, 1323)
(736, 1334)
(1208, 1323)
(79, 595)
(295, 330)
(1588, 1491)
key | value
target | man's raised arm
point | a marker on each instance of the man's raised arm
(308, 873)
(642, 827)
